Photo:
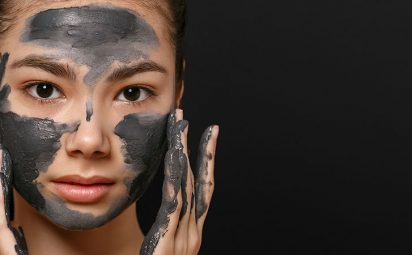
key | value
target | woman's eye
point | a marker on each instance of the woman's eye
(44, 90)
(133, 94)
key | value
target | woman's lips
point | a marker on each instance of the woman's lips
(78, 189)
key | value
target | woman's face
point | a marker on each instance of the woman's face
(83, 107)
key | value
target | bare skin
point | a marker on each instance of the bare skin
(178, 227)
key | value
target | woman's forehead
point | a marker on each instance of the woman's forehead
(116, 13)
(88, 26)
(95, 36)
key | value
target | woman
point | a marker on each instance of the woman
(87, 99)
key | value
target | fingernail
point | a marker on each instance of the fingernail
(186, 129)
(216, 130)
(181, 125)
(207, 134)
(179, 114)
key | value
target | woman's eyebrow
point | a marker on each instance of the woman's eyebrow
(46, 64)
(124, 72)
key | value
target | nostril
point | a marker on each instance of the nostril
(99, 154)
(89, 141)
(92, 155)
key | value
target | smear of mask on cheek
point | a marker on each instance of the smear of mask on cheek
(95, 36)
(144, 139)
(32, 144)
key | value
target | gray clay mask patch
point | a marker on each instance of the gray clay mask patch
(33, 144)
(144, 145)
(92, 35)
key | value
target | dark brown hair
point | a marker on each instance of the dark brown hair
(173, 11)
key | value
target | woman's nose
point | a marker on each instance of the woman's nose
(89, 141)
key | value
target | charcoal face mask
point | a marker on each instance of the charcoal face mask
(92, 36)
(96, 37)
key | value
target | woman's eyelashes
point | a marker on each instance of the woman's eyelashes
(43, 91)
(46, 92)
(134, 94)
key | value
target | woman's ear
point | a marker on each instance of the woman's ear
(179, 94)
(180, 88)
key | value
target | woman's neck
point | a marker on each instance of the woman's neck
(121, 236)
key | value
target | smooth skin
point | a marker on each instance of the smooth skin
(122, 235)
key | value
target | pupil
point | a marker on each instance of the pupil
(44, 90)
(132, 94)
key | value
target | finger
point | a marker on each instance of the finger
(7, 240)
(204, 178)
(12, 240)
(170, 125)
(161, 235)
(186, 187)
(181, 241)
(6, 181)
(193, 234)
(20, 247)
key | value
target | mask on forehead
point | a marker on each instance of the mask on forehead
(93, 36)
(96, 37)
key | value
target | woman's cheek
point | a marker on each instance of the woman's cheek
(144, 144)
(32, 144)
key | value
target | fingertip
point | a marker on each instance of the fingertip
(181, 125)
(215, 131)
(186, 130)
(207, 134)
(179, 114)
(212, 138)
(184, 136)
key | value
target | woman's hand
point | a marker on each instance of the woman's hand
(186, 198)
(11, 239)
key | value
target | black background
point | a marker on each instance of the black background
(314, 101)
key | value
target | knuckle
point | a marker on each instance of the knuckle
(180, 248)
(211, 187)
(195, 242)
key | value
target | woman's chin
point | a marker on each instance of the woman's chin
(81, 215)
